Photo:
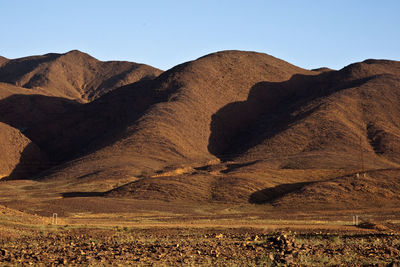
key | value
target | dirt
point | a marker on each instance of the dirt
(221, 247)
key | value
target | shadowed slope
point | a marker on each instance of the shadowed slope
(19, 157)
(89, 127)
(30, 111)
(21, 110)
(74, 75)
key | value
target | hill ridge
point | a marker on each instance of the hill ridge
(74, 74)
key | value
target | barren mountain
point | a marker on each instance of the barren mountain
(151, 125)
(73, 75)
(347, 119)
(224, 127)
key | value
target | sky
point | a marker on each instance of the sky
(164, 33)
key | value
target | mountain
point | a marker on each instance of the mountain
(73, 75)
(345, 120)
(231, 126)
(150, 125)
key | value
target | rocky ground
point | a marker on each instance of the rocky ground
(131, 246)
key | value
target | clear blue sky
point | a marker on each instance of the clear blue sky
(308, 33)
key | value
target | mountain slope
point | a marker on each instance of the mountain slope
(73, 75)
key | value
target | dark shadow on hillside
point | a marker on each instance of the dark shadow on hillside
(37, 117)
(268, 110)
(267, 101)
(271, 194)
(26, 111)
(31, 162)
(82, 194)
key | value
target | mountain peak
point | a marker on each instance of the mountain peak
(78, 53)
